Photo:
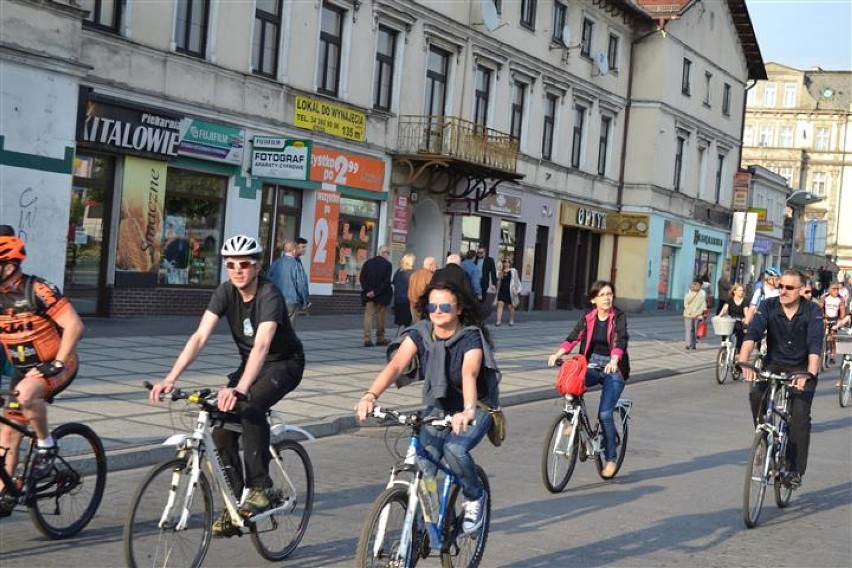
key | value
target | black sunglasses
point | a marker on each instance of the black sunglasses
(445, 308)
(788, 287)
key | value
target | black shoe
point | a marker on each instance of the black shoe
(7, 505)
(791, 479)
(368, 343)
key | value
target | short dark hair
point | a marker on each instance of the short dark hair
(598, 286)
(301, 241)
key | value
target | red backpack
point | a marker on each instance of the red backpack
(572, 376)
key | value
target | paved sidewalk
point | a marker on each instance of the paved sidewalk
(117, 355)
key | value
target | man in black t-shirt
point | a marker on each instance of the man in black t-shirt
(272, 363)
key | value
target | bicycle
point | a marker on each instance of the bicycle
(170, 520)
(726, 359)
(402, 526)
(844, 347)
(62, 502)
(768, 449)
(564, 445)
(827, 344)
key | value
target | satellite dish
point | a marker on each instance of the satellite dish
(602, 63)
(566, 36)
(490, 17)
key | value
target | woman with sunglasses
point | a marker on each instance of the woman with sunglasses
(602, 336)
(451, 345)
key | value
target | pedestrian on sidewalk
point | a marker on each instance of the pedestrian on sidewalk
(509, 292)
(376, 295)
(401, 279)
(694, 305)
(602, 335)
(272, 362)
(417, 284)
(474, 273)
(288, 274)
(488, 284)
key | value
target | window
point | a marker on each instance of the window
(519, 92)
(821, 141)
(769, 95)
(720, 172)
(603, 145)
(331, 43)
(586, 38)
(748, 136)
(103, 14)
(708, 80)
(678, 165)
(818, 183)
(267, 29)
(191, 27)
(702, 170)
(436, 81)
(549, 124)
(385, 54)
(766, 136)
(787, 172)
(357, 234)
(684, 79)
(559, 11)
(528, 13)
(577, 135)
(481, 95)
(786, 137)
(789, 95)
(612, 52)
(726, 100)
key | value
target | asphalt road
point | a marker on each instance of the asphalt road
(676, 501)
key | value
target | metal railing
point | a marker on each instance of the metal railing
(454, 137)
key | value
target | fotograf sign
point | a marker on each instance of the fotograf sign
(280, 158)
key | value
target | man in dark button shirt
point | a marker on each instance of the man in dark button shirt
(794, 343)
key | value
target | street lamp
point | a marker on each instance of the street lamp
(801, 198)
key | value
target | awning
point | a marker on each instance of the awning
(809, 261)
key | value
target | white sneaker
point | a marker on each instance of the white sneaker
(474, 514)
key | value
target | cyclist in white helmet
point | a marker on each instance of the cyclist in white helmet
(272, 363)
(769, 289)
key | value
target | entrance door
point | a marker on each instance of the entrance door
(540, 267)
(280, 216)
(578, 267)
(88, 230)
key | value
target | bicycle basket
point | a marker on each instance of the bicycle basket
(572, 376)
(723, 325)
(844, 343)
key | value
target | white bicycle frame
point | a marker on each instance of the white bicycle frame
(202, 437)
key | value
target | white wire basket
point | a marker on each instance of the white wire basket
(723, 325)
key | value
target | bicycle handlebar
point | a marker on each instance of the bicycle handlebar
(411, 419)
(203, 397)
(765, 375)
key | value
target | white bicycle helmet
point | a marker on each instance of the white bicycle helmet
(241, 245)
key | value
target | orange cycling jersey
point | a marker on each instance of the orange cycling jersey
(28, 332)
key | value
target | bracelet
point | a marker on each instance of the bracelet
(375, 396)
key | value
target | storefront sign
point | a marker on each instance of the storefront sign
(763, 225)
(325, 236)
(742, 181)
(629, 224)
(335, 120)
(280, 158)
(145, 132)
(500, 204)
(400, 219)
(704, 240)
(342, 168)
(762, 246)
(583, 217)
(141, 217)
(211, 141)
(673, 233)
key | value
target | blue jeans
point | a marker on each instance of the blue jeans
(455, 449)
(611, 389)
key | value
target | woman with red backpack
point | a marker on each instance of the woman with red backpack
(602, 335)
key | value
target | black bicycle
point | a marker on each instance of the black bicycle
(63, 501)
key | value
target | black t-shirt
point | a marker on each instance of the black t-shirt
(736, 311)
(245, 317)
(600, 345)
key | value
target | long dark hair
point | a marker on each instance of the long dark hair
(471, 311)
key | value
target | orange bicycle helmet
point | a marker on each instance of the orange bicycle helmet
(12, 249)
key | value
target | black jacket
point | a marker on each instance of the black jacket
(454, 273)
(489, 274)
(376, 277)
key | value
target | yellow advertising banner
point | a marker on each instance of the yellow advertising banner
(141, 217)
(325, 237)
(335, 120)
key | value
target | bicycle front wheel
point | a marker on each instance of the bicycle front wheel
(69, 496)
(151, 534)
(622, 431)
(559, 456)
(845, 390)
(292, 496)
(462, 550)
(380, 542)
(722, 368)
(756, 479)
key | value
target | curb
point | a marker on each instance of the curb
(123, 458)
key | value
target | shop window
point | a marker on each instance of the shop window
(705, 265)
(356, 240)
(471, 233)
(280, 213)
(508, 239)
(194, 207)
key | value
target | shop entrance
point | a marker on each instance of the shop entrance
(540, 267)
(426, 235)
(578, 267)
(88, 230)
(280, 216)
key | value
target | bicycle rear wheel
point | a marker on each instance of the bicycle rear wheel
(379, 542)
(622, 430)
(277, 536)
(826, 345)
(722, 369)
(150, 534)
(559, 455)
(845, 390)
(462, 550)
(69, 496)
(756, 479)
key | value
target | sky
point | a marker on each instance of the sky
(804, 33)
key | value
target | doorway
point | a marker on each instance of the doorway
(280, 216)
(578, 267)
(540, 267)
(426, 235)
